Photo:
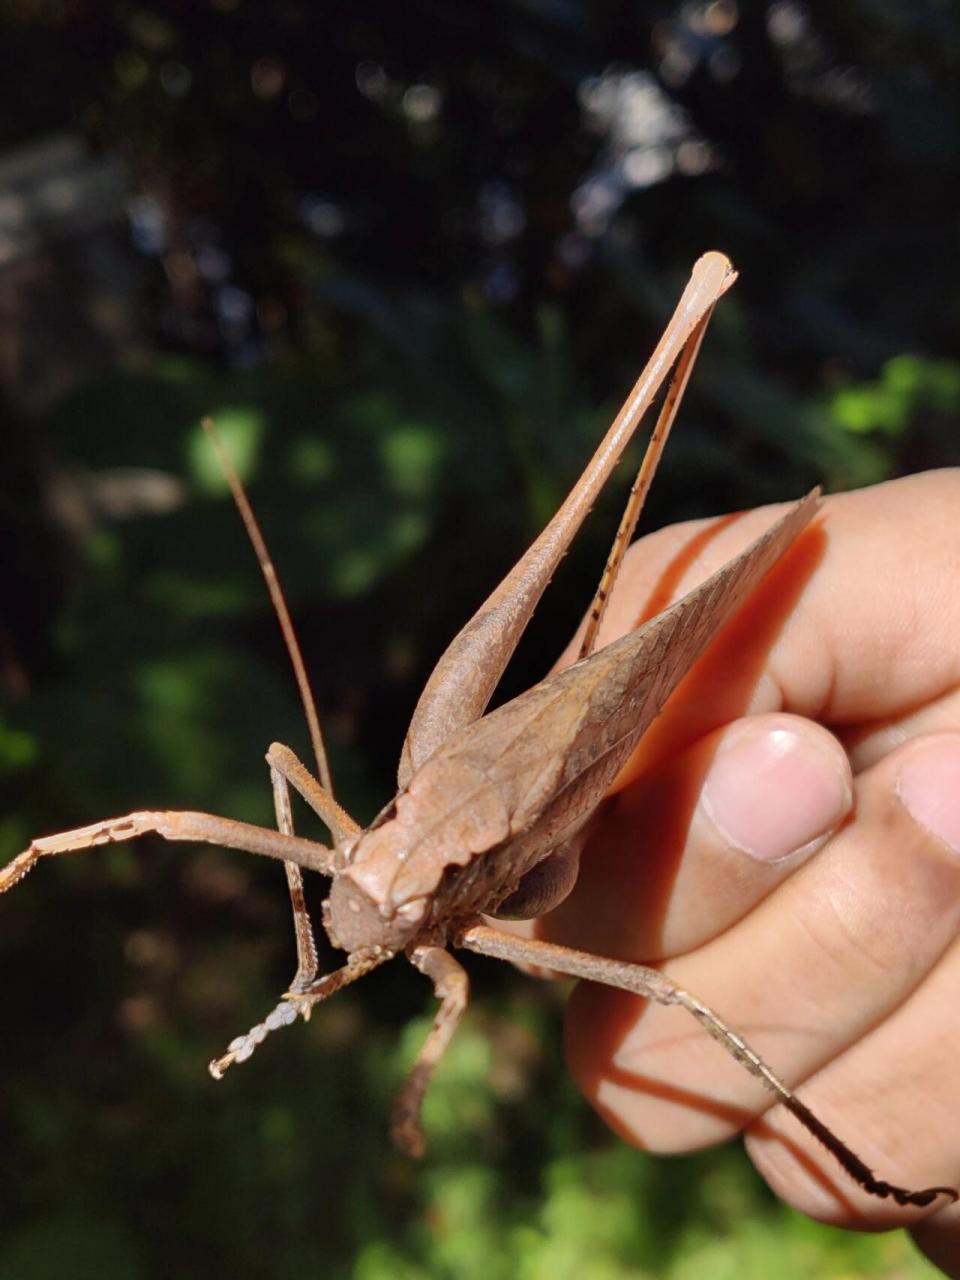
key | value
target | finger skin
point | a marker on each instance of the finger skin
(661, 878)
(894, 1091)
(822, 962)
(843, 972)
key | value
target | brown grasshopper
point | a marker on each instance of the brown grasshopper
(493, 809)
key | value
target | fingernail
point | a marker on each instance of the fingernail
(774, 791)
(929, 786)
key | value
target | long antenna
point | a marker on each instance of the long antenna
(278, 601)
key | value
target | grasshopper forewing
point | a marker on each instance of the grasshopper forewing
(493, 809)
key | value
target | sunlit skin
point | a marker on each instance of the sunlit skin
(821, 732)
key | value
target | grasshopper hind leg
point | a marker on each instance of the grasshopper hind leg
(654, 985)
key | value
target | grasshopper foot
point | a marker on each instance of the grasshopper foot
(15, 870)
(242, 1047)
(406, 1129)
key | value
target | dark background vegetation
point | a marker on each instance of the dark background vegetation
(411, 256)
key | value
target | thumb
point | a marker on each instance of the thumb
(696, 842)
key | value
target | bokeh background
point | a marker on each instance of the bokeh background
(410, 256)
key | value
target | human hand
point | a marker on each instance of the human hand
(786, 840)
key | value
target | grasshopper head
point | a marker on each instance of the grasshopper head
(354, 921)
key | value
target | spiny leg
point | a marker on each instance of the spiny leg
(302, 928)
(296, 1003)
(654, 985)
(173, 824)
(286, 769)
(452, 989)
(318, 796)
(305, 991)
(285, 1013)
(358, 965)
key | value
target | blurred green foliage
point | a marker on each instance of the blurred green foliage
(434, 314)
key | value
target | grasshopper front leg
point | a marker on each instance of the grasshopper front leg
(287, 1011)
(451, 986)
(178, 825)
